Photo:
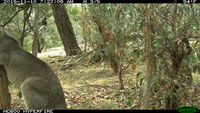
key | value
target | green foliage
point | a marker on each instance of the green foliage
(73, 9)
(170, 23)
(74, 16)
(6, 11)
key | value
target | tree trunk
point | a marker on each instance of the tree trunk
(5, 99)
(36, 43)
(65, 29)
(21, 41)
(121, 82)
(172, 99)
(109, 43)
(150, 62)
(84, 27)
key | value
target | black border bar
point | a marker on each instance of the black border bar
(99, 1)
(88, 111)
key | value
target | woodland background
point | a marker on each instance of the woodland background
(113, 56)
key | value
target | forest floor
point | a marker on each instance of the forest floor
(95, 86)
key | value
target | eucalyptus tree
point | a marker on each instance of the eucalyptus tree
(65, 29)
(173, 27)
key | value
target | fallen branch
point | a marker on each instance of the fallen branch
(80, 59)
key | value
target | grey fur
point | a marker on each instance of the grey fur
(38, 83)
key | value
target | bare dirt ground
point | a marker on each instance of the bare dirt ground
(86, 87)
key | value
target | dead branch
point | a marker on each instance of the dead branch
(11, 18)
(80, 59)
(164, 18)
